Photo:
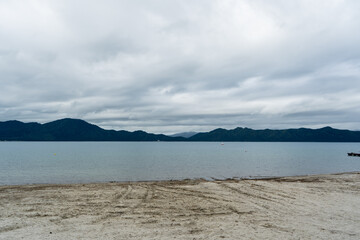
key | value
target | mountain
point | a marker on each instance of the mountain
(184, 134)
(72, 130)
(79, 130)
(326, 134)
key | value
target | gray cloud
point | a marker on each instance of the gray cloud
(171, 66)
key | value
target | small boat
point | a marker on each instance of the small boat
(354, 154)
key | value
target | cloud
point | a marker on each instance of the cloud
(182, 65)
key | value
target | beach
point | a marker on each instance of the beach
(304, 207)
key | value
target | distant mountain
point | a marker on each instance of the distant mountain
(78, 130)
(326, 134)
(72, 130)
(184, 134)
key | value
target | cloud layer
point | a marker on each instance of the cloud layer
(172, 66)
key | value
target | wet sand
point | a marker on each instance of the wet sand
(309, 207)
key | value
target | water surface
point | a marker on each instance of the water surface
(79, 162)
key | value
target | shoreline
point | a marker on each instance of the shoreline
(210, 179)
(323, 206)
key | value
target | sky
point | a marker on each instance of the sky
(182, 65)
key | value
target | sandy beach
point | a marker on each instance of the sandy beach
(308, 207)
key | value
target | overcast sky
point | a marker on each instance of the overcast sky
(169, 66)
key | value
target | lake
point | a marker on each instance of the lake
(83, 162)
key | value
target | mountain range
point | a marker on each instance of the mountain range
(79, 130)
(72, 130)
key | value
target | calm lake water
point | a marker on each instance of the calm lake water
(79, 162)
